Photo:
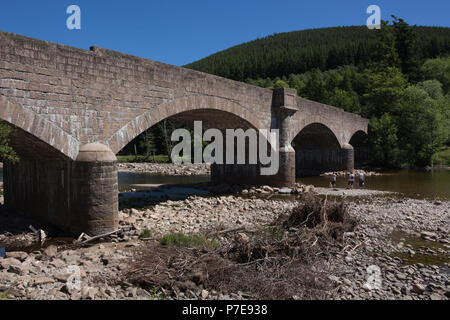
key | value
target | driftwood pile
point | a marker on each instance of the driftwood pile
(284, 260)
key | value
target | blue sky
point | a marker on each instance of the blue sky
(179, 32)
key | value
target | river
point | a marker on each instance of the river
(413, 184)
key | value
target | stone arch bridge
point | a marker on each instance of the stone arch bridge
(72, 110)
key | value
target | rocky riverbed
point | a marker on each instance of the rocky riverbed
(201, 169)
(401, 244)
(399, 249)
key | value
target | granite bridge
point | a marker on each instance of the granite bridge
(73, 110)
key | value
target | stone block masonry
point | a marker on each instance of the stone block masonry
(62, 99)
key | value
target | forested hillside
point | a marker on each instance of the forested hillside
(301, 51)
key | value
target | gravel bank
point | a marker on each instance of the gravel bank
(408, 243)
(166, 169)
(35, 273)
(350, 192)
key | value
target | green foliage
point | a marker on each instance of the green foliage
(383, 91)
(141, 158)
(145, 234)
(384, 54)
(422, 123)
(156, 294)
(274, 233)
(190, 240)
(148, 144)
(384, 141)
(438, 69)
(442, 158)
(280, 84)
(7, 153)
(298, 52)
(155, 140)
(349, 101)
(407, 47)
(5, 296)
(315, 87)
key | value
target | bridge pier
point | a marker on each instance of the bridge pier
(74, 196)
(284, 104)
(347, 158)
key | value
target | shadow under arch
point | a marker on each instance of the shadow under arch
(317, 150)
(359, 142)
(31, 185)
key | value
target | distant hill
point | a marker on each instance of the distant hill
(300, 51)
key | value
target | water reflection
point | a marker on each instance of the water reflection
(140, 180)
(414, 184)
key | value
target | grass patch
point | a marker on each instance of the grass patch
(156, 294)
(4, 296)
(145, 234)
(442, 158)
(274, 233)
(189, 240)
(152, 159)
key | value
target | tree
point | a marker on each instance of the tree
(385, 54)
(164, 131)
(438, 69)
(315, 87)
(384, 80)
(384, 141)
(7, 153)
(421, 123)
(347, 100)
(383, 90)
(148, 144)
(281, 84)
(407, 47)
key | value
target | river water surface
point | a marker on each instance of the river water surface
(413, 184)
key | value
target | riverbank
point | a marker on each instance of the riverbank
(201, 169)
(356, 172)
(388, 236)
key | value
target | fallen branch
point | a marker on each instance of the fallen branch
(232, 230)
(357, 246)
(82, 235)
(100, 236)
(146, 239)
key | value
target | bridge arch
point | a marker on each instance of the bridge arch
(359, 142)
(33, 136)
(317, 150)
(195, 105)
(322, 125)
